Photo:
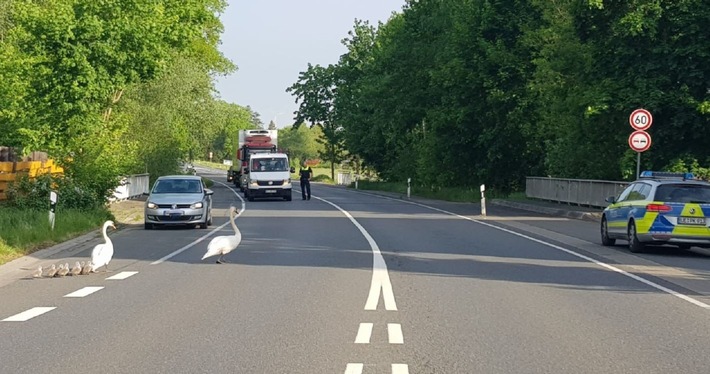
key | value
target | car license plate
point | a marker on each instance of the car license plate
(691, 220)
(173, 213)
(270, 191)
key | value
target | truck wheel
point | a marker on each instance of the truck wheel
(287, 198)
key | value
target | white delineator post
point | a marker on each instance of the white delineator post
(409, 187)
(52, 207)
(483, 200)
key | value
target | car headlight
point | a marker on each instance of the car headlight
(197, 205)
(254, 183)
(287, 181)
(152, 205)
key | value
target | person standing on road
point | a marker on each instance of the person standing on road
(306, 174)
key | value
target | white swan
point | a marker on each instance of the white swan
(221, 245)
(102, 254)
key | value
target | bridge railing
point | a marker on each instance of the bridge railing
(584, 192)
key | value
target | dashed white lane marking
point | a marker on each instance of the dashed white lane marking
(203, 237)
(354, 368)
(86, 291)
(29, 314)
(400, 369)
(364, 333)
(380, 277)
(569, 251)
(122, 275)
(394, 330)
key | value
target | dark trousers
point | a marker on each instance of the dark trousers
(305, 189)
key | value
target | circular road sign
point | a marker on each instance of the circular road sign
(640, 119)
(640, 141)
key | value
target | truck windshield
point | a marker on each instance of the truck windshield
(270, 164)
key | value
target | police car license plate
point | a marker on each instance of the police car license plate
(270, 191)
(691, 220)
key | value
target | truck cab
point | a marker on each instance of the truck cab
(268, 175)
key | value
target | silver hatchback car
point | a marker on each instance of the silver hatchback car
(179, 200)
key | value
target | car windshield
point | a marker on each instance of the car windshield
(177, 186)
(683, 193)
(270, 164)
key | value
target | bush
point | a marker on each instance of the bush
(322, 178)
(33, 194)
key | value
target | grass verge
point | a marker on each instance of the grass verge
(213, 165)
(24, 231)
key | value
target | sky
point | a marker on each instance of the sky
(272, 41)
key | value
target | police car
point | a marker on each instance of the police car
(659, 208)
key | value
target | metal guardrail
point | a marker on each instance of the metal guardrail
(344, 179)
(585, 192)
(132, 186)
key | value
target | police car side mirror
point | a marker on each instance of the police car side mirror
(610, 199)
(293, 170)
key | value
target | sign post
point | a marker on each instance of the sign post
(639, 140)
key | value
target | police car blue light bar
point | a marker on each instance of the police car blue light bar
(666, 175)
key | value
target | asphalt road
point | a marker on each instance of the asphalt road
(353, 282)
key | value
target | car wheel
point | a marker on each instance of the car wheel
(148, 226)
(209, 219)
(635, 246)
(250, 198)
(606, 240)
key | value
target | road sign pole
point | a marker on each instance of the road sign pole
(638, 165)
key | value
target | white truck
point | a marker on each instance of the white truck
(268, 175)
(250, 142)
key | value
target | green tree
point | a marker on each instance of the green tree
(315, 89)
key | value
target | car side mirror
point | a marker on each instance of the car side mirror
(246, 170)
(610, 199)
(208, 192)
(293, 170)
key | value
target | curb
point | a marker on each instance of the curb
(576, 214)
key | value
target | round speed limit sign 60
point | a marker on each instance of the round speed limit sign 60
(640, 119)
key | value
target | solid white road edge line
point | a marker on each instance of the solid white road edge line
(203, 237)
(380, 276)
(29, 314)
(364, 333)
(354, 368)
(571, 252)
(86, 291)
(394, 330)
(122, 275)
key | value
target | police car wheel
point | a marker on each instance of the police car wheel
(635, 246)
(606, 240)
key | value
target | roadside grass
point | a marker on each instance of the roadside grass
(456, 194)
(24, 231)
(213, 165)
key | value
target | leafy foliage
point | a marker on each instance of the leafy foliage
(462, 92)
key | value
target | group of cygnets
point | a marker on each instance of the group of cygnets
(101, 255)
